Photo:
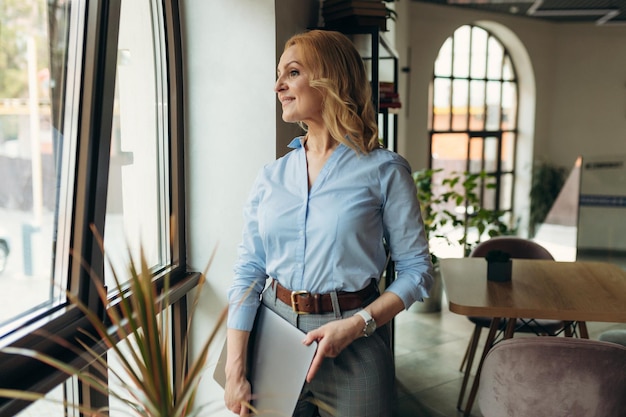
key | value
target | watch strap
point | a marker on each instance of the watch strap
(370, 323)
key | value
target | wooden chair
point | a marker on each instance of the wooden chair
(519, 248)
(553, 376)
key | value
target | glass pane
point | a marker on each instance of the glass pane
(461, 52)
(35, 157)
(442, 105)
(476, 155)
(477, 105)
(491, 154)
(449, 151)
(479, 53)
(507, 71)
(488, 200)
(493, 105)
(443, 63)
(137, 204)
(506, 191)
(509, 106)
(494, 59)
(459, 104)
(508, 151)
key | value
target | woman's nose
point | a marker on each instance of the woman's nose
(279, 86)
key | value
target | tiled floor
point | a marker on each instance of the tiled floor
(429, 348)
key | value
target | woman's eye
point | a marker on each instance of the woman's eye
(294, 73)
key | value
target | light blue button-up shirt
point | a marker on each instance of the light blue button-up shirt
(330, 238)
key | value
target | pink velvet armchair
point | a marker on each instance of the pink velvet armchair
(556, 377)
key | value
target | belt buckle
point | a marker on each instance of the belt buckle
(294, 302)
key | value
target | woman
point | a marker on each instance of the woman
(317, 221)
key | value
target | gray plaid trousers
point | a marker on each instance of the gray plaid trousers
(357, 383)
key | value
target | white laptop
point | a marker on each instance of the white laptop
(278, 362)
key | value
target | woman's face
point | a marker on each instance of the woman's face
(300, 102)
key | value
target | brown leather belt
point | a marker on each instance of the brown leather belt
(304, 302)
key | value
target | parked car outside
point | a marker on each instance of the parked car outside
(5, 249)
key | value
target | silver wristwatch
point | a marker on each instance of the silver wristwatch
(370, 323)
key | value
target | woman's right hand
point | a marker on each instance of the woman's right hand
(238, 395)
(237, 392)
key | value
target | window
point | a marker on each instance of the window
(473, 112)
(91, 138)
(137, 212)
(33, 154)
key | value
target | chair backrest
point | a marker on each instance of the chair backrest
(553, 376)
(614, 336)
(517, 247)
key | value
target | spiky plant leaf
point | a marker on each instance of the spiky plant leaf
(137, 330)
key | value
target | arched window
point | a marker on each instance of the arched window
(473, 112)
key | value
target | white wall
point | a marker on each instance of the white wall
(233, 128)
(588, 112)
(230, 62)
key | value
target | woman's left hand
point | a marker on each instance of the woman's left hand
(332, 338)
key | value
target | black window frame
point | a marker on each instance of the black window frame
(97, 86)
(473, 134)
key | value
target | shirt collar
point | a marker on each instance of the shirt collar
(296, 142)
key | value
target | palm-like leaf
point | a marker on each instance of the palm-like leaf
(137, 330)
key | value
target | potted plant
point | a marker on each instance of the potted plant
(136, 328)
(499, 265)
(440, 195)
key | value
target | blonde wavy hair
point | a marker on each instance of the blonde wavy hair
(337, 71)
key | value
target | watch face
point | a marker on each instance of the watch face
(370, 323)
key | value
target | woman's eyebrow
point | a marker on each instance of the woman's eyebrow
(288, 64)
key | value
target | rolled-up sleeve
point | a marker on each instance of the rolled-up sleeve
(250, 276)
(405, 233)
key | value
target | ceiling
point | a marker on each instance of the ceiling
(597, 12)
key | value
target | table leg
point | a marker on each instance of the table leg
(570, 329)
(510, 328)
(470, 353)
(493, 329)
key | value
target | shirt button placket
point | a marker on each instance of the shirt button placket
(302, 242)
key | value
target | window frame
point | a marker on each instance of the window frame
(473, 134)
(95, 101)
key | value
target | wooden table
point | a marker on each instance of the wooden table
(541, 289)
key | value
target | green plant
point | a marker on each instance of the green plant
(439, 203)
(137, 329)
(548, 179)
